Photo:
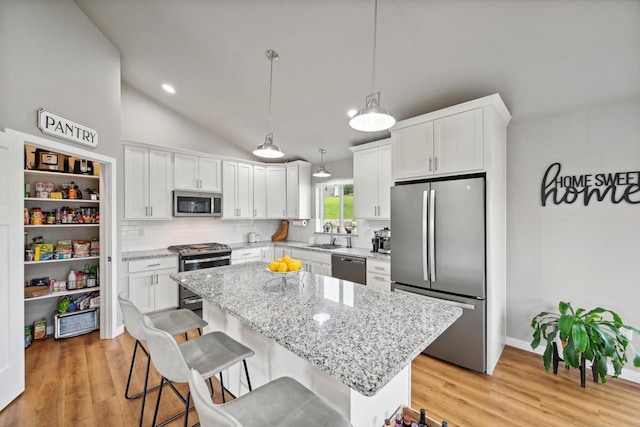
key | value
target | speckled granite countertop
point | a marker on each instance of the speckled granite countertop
(370, 336)
(365, 253)
(159, 253)
(155, 253)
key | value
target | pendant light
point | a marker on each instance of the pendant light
(373, 118)
(321, 172)
(268, 149)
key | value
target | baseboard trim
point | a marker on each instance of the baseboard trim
(627, 374)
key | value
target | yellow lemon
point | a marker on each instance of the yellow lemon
(295, 265)
(274, 266)
(279, 260)
(286, 258)
(282, 267)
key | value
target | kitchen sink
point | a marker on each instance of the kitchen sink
(326, 246)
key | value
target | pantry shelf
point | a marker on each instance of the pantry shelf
(60, 260)
(61, 174)
(61, 294)
(61, 225)
(45, 200)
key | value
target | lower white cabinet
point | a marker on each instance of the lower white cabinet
(279, 252)
(242, 256)
(267, 254)
(150, 287)
(379, 274)
(313, 261)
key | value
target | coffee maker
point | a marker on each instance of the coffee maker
(381, 241)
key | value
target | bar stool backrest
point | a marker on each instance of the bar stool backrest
(210, 414)
(131, 316)
(165, 353)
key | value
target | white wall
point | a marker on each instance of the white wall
(587, 255)
(53, 57)
(145, 120)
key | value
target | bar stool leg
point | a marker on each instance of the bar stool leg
(133, 360)
(222, 387)
(186, 409)
(155, 414)
(144, 392)
(246, 371)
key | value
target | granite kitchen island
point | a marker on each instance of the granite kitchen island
(350, 344)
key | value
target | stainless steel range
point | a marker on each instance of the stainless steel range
(197, 257)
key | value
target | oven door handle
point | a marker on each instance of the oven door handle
(192, 301)
(199, 260)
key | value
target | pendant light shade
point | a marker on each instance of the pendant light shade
(322, 172)
(373, 118)
(268, 149)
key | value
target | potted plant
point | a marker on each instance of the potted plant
(593, 335)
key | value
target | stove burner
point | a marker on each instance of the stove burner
(212, 247)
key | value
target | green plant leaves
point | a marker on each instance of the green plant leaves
(565, 323)
(579, 336)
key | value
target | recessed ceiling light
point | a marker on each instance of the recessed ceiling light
(168, 88)
(352, 112)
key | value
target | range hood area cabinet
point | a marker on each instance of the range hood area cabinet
(237, 190)
(148, 175)
(197, 173)
(372, 180)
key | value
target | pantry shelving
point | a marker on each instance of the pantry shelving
(77, 196)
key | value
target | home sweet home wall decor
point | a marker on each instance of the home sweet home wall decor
(616, 187)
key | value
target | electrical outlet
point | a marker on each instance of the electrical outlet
(141, 232)
(627, 333)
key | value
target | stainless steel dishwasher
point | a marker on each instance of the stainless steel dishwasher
(351, 268)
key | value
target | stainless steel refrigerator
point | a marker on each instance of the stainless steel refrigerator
(438, 251)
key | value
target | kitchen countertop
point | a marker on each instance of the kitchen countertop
(370, 334)
(365, 253)
(154, 253)
(362, 252)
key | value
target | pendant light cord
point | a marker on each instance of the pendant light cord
(375, 34)
(270, 88)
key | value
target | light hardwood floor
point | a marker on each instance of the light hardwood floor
(80, 381)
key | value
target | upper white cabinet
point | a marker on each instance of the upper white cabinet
(197, 173)
(259, 192)
(276, 189)
(237, 190)
(450, 144)
(298, 190)
(147, 174)
(372, 180)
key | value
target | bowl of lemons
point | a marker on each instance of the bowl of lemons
(285, 268)
(286, 264)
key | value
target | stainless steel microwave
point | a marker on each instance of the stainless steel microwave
(193, 203)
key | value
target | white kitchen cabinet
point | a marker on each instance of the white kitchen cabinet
(276, 192)
(147, 191)
(150, 287)
(197, 173)
(313, 261)
(379, 274)
(279, 252)
(237, 190)
(267, 254)
(451, 144)
(259, 192)
(243, 256)
(298, 175)
(372, 180)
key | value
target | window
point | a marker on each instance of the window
(334, 205)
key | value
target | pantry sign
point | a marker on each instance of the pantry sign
(62, 127)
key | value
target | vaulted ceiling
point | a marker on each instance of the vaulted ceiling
(542, 56)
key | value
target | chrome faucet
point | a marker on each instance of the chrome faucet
(328, 227)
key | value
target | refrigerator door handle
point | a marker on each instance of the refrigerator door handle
(432, 235)
(443, 301)
(425, 212)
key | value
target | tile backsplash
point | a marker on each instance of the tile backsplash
(147, 235)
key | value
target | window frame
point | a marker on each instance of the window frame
(319, 197)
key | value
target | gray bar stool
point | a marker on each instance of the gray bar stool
(174, 322)
(210, 354)
(283, 402)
